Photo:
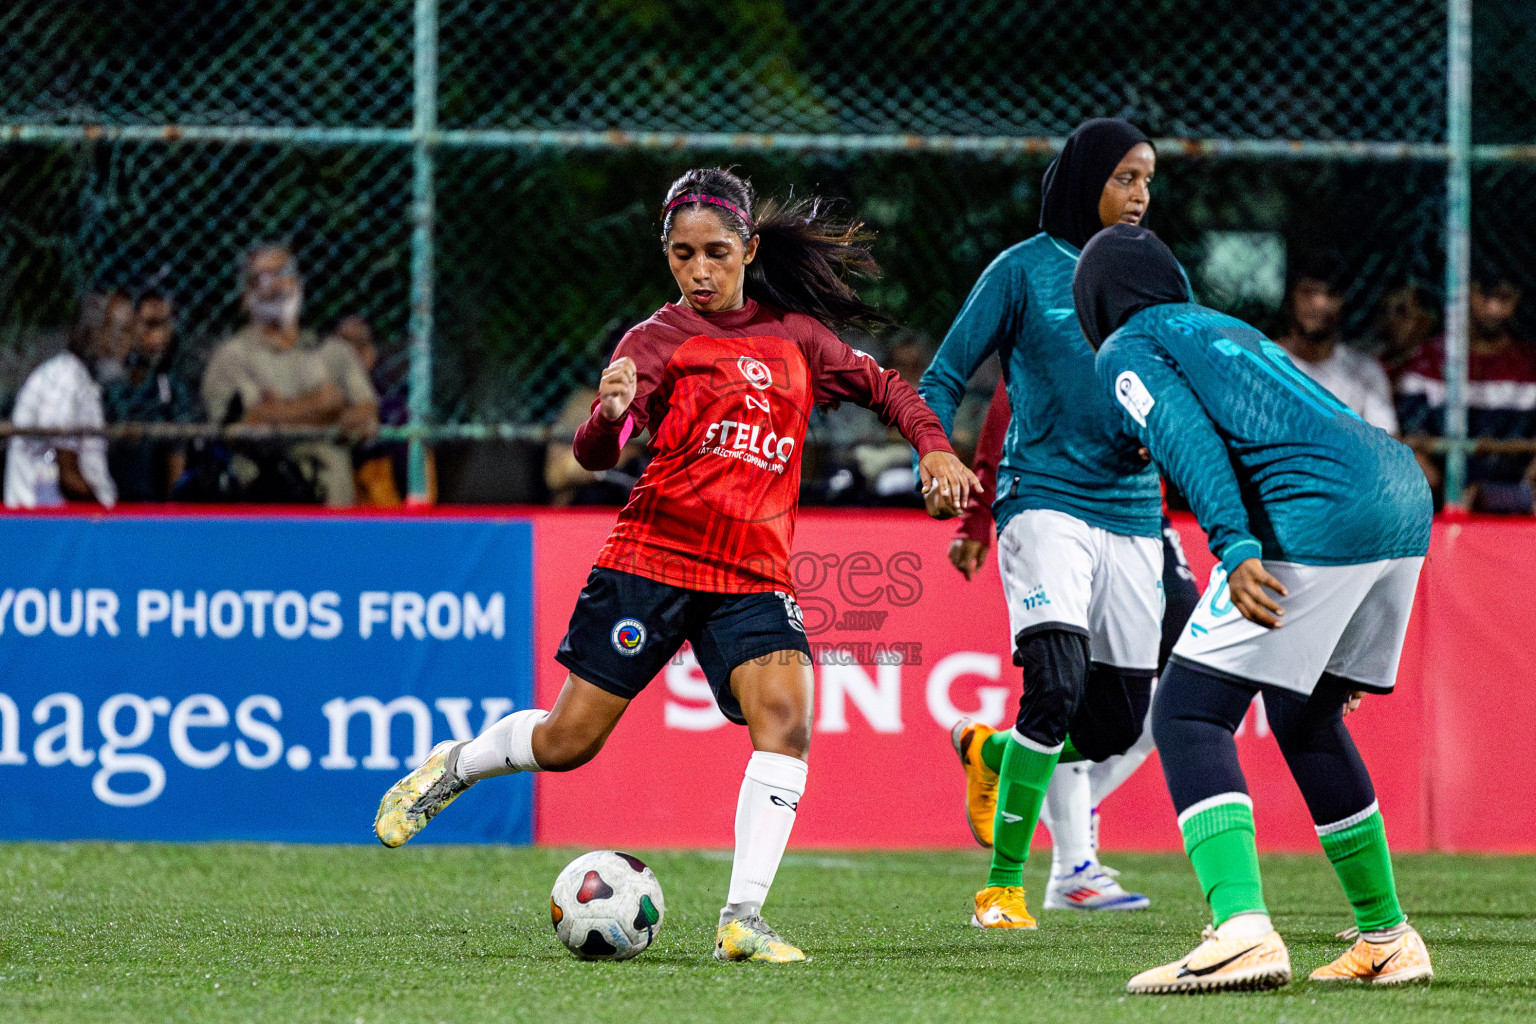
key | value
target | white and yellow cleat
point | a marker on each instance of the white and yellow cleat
(417, 798)
(980, 780)
(750, 938)
(1217, 965)
(1002, 906)
(1395, 962)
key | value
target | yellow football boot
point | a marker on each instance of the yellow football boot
(751, 939)
(416, 799)
(980, 781)
(1237, 964)
(1001, 906)
(1400, 960)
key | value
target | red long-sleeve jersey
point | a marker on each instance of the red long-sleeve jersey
(727, 397)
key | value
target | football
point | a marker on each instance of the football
(606, 905)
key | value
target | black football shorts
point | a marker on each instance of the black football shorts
(626, 627)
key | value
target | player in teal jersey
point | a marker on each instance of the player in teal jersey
(1321, 523)
(1079, 516)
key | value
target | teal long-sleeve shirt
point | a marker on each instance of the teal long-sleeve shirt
(1272, 464)
(1066, 449)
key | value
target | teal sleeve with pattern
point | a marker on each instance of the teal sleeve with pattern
(1162, 411)
(986, 319)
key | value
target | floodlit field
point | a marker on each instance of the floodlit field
(101, 932)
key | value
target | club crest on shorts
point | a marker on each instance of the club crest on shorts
(628, 637)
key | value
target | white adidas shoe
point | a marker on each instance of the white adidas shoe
(1090, 887)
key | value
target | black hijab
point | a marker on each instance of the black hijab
(1123, 270)
(1070, 190)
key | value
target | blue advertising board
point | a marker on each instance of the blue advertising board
(266, 678)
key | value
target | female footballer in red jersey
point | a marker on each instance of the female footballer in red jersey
(725, 380)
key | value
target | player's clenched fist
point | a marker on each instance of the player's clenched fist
(617, 388)
(947, 484)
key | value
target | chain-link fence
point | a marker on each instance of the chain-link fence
(481, 179)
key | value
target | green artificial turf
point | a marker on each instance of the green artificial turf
(102, 932)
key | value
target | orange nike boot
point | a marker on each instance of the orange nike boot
(980, 780)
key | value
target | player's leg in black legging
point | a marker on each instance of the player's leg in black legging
(1112, 712)
(1180, 593)
(1319, 750)
(1194, 716)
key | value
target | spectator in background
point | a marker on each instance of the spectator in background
(61, 393)
(152, 389)
(272, 372)
(1314, 304)
(356, 333)
(1501, 396)
(1405, 321)
(374, 464)
(116, 338)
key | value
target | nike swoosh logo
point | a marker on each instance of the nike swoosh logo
(1011, 818)
(1185, 972)
(1377, 968)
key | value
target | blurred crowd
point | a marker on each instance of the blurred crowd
(124, 363)
(1395, 379)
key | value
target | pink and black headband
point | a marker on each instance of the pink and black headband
(700, 197)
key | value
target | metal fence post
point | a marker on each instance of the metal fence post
(423, 202)
(1458, 238)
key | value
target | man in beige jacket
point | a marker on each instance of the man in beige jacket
(272, 372)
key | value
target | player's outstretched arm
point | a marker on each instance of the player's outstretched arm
(841, 373)
(997, 300)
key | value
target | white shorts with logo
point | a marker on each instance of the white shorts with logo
(1060, 572)
(1346, 620)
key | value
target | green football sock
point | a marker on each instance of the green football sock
(1360, 856)
(993, 746)
(1220, 843)
(1021, 789)
(992, 749)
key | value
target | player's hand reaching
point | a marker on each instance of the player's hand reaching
(947, 484)
(1353, 702)
(1247, 585)
(617, 388)
(966, 555)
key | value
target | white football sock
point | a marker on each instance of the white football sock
(1107, 775)
(1071, 816)
(504, 748)
(1245, 926)
(765, 813)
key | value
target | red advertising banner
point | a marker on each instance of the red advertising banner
(905, 645)
(1479, 666)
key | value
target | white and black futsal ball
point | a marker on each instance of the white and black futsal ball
(606, 905)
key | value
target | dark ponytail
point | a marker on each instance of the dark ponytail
(803, 252)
